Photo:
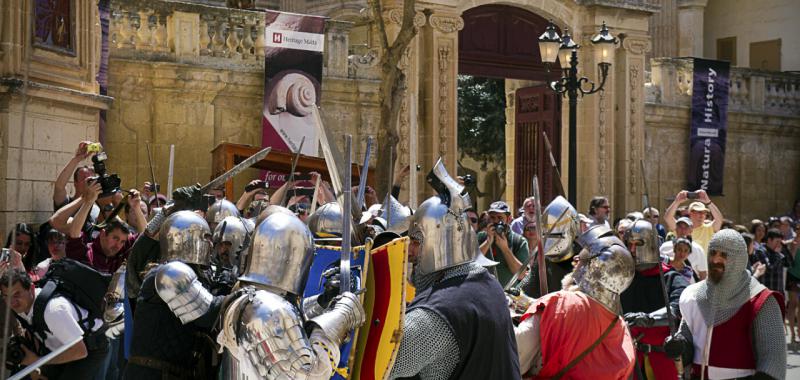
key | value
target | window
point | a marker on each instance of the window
(53, 25)
(726, 50)
(766, 55)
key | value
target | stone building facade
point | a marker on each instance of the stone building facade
(191, 74)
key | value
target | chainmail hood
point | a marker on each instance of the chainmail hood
(718, 302)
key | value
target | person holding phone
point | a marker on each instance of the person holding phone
(703, 229)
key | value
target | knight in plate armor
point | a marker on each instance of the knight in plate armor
(264, 333)
(576, 332)
(449, 332)
(175, 313)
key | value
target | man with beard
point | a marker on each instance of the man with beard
(732, 325)
(455, 327)
(576, 333)
(643, 302)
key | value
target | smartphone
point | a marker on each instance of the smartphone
(302, 177)
(5, 256)
(258, 185)
(307, 191)
(691, 195)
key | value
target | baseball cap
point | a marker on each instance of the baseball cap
(698, 206)
(685, 220)
(499, 206)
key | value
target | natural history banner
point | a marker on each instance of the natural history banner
(293, 80)
(709, 127)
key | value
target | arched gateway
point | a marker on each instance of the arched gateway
(499, 41)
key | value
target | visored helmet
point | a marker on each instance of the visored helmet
(185, 236)
(221, 209)
(326, 222)
(558, 245)
(441, 226)
(606, 268)
(642, 242)
(281, 254)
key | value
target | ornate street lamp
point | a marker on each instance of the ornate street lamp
(570, 84)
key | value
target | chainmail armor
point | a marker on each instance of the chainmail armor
(718, 302)
(768, 340)
(155, 224)
(429, 348)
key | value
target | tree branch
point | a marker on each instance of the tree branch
(407, 29)
(377, 10)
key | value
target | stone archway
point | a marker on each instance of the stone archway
(496, 43)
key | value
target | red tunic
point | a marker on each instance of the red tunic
(731, 341)
(570, 322)
(662, 365)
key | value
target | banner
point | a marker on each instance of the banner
(293, 80)
(709, 127)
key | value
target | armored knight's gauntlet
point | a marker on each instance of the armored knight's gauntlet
(346, 315)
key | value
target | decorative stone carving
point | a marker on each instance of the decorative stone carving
(395, 16)
(637, 45)
(445, 51)
(602, 162)
(446, 24)
(634, 83)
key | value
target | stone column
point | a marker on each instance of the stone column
(690, 27)
(438, 81)
(629, 135)
(337, 42)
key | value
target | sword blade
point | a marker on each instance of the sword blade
(250, 161)
(291, 172)
(362, 181)
(346, 218)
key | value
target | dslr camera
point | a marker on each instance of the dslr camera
(109, 182)
(500, 228)
(15, 354)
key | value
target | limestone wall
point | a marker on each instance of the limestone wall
(762, 160)
(60, 103)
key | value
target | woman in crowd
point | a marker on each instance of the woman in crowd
(759, 231)
(682, 247)
(24, 244)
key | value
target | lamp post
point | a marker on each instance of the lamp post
(552, 47)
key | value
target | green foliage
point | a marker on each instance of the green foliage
(481, 118)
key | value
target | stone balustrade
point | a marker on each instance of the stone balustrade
(162, 30)
(751, 91)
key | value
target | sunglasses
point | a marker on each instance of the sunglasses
(527, 229)
(605, 207)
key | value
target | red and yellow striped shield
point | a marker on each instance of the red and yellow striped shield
(384, 302)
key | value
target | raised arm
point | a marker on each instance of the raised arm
(75, 225)
(136, 218)
(60, 187)
(60, 219)
(669, 215)
(715, 212)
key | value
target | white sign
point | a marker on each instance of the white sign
(288, 39)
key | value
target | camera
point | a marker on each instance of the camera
(257, 185)
(109, 182)
(500, 228)
(691, 195)
(154, 188)
(14, 352)
(5, 256)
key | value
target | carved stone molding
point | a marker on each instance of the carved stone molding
(637, 45)
(602, 168)
(445, 57)
(395, 16)
(635, 85)
(446, 24)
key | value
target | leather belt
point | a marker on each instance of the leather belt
(161, 365)
(647, 348)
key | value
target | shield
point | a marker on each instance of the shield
(327, 257)
(384, 303)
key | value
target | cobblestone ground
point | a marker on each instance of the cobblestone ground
(793, 361)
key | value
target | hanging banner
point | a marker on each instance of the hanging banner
(293, 80)
(709, 127)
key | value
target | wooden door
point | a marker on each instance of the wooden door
(538, 109)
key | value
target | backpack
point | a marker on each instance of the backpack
(81, 284)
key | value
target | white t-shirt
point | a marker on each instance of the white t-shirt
(42, 267)
(697, 257)
(62, 320)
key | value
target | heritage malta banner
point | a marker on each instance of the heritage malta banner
(292, 82)
(709, 129)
